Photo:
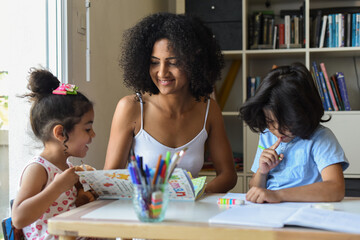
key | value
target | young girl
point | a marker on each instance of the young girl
(298, 159)
(62, 120)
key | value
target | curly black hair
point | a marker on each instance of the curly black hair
(289, 92)
(198, 53)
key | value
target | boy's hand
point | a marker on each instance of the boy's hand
(66, 180)
(269, 158)
(262, 195)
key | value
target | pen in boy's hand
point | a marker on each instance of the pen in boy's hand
(262, 148)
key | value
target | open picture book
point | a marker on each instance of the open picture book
(115, 184)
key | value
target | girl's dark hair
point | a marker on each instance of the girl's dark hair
(48, 109)
(198, 53)
(290, 94)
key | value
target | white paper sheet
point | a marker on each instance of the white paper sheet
(326, 219)
(254, 215)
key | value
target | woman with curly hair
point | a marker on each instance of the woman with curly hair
(171, 62)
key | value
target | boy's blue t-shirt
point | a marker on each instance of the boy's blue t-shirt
(304, 159)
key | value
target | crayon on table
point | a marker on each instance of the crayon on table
(230, 201)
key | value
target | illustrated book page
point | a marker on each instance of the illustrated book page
(116, 183)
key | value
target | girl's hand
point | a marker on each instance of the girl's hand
(262, 195)
(269, 158)
(66, 180)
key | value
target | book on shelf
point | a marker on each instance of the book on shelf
(317, 28)
(116, 184)
(336, 31)
(330, 31)
(316, 79)
(252, 85)
(281, 34)
(321, 86)
(256, 33)
(275, 37)
(287, 31)
(296, 30)
(323, 31)
(248, 87)
(326, 94)
(353, 30)
(328, 85)
(343, 90)
(348, 29)
(356, 29)
(340, 31)
(265, 30)
(336, 92)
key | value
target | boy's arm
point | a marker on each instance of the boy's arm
(268, 160)
(331, 189)
(258, 180)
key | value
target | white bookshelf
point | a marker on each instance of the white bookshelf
(345, 124)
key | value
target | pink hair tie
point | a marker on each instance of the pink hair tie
(65, 89)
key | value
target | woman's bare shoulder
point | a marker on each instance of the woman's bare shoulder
(214, 108)
(128, 107)
(215, 114)
(127, 103)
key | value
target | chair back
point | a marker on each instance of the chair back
(9, 231)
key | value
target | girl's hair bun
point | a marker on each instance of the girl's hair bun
(42, 82)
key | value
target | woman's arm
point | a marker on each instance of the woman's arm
(123, 126)
(220, 151)
(331, 189)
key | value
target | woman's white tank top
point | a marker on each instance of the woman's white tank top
(149, 148)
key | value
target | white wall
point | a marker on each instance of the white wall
(108, 20)
(22, 45)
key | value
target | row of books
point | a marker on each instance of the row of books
(329, 27)
(265, 34)
(336, 30)
(332, 88)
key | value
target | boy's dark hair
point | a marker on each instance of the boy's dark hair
(48, 109)
(197, 51)
(290, 94)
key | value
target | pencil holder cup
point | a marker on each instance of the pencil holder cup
(150, 204)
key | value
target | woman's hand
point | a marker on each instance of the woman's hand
(269, 158)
